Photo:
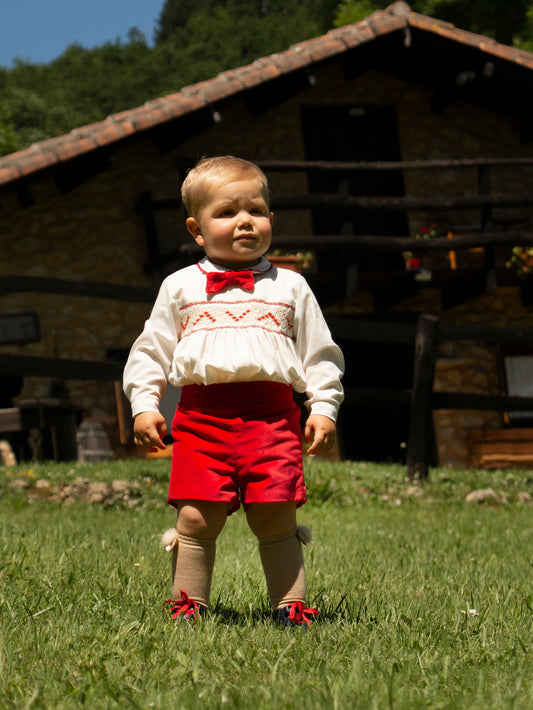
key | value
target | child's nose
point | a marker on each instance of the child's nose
(244, 218)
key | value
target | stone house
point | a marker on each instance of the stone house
(368, 134)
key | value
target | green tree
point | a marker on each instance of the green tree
(23, 119)
(524, 38)
(9, 141)
(356, 10)
(224, 39)
(507, 22)
(196, 39)
(176, 14)
(232, 33)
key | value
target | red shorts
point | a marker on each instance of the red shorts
(237, 442)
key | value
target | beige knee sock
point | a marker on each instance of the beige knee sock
(192, 568)
(283, 564)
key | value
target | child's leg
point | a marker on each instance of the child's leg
(274, 524)
(199, 524)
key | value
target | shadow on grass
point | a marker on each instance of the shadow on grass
(342, 613)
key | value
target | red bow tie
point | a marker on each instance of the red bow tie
(218, 281)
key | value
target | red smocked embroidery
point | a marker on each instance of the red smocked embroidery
(269, 315)
(273, 317)
(205, 314)
(238, 318)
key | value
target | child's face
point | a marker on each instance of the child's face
(234, 226)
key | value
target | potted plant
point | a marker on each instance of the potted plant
(427, 232)
(291, 259)
(521, 261)
(414, 263)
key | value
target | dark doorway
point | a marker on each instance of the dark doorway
(376, 433)
(353, 133)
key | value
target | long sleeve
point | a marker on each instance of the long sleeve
(322, 359)
(150, 361)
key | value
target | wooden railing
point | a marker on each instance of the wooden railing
(92, 289)
(482, 198)
(421, 400)
(62, 368)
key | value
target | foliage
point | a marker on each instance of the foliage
(220, 41)
(79, 87)
(356, 10)
(521, 260)
(506, 22)
(424, 601)
(9, 142)
(494, 18)
(524, 38)
(177, 14)
(195, 41)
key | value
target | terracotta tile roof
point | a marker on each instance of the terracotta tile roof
(119, 126)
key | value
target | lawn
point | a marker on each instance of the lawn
(425, 600)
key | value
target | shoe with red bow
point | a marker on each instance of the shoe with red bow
(187, 608)
(296, 614)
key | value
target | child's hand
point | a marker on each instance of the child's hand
(320, 431)
(149, 428)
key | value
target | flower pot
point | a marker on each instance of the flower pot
(293, 263)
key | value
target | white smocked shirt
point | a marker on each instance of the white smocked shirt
(275, 333)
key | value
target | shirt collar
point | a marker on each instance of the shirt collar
(260, 268)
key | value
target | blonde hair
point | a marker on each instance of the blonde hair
(211, 173)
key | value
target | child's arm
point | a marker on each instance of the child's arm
(321, 432)
(148, 367)
(149, 428)
(323, 364)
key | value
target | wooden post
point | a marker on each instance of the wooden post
(122, 427)
(487, 225)
(421, 417)
(452, 255)
(483, 182)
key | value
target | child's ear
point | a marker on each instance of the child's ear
(194, 228)
(271, 219)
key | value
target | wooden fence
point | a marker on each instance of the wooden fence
(420, 399)
(482, 198)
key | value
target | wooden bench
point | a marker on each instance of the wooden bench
(10, 419)
(56, 420)
(501, 448)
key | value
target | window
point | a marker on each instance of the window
(519, 380)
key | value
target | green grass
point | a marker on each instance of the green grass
(394, 571)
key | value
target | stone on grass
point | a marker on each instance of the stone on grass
(483, 495)
(523, 497)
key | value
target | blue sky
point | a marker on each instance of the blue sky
(40, 30)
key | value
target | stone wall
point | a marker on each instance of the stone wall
(94, 233)
(474, 367)
(463, 366)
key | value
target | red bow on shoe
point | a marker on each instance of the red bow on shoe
(299, 614)
(185, 606)
(219, 280)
